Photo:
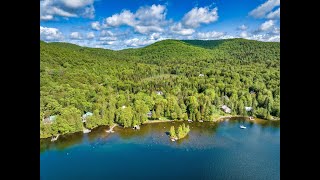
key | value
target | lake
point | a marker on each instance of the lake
(210, 151)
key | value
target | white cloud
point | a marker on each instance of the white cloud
(197, 16)
(266, 37)
(151, 15)
(51, 9)
(274, 15)
(242, 27)
(124, 18)
(75, 4)
(276, 30)
(154, 36)
(263, 9)
(46, 17)
(95, 25)
(108, 38)
(147, 29)
(266, 25)
(88, 12)
(244, 34)
(179, 29)
(90, 35)
(193, 19)
(50, 34)
(104, 33)
(272, 36)
(107, 43)
(145, 20)
(61, 12)
(76, 35)
(137, 42)
(209, 35)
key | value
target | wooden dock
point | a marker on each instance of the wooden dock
(54, 138)
(111, 129)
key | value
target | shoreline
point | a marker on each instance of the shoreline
(219, 119)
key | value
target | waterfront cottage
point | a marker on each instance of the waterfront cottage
(149, 114)
(226, 109)
(159, 92)
(86, 115)
(49, 120)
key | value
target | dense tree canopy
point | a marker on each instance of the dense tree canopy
(123, 86)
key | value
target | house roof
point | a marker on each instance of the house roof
(87, 114)
(52, 118)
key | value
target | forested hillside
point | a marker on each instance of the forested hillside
(121, 86)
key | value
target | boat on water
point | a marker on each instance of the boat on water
(242, 127)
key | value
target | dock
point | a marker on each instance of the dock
(54, 138)
(85, 130)
(111, 129)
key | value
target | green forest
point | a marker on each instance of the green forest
(170, 79)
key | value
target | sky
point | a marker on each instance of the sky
(120, 24)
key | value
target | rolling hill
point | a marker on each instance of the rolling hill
(234, 72)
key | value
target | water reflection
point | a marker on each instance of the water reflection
(156, 133)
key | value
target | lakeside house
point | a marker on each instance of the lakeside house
(159, 92)
(226, 109)
(248, 108)
(87, 114)
(49, 120)
(149, 114)
(201, 75)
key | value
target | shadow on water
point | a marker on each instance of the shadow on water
(156, 130)
(63, 142)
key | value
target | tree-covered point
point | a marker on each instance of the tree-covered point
(172, 79)
(180, 133)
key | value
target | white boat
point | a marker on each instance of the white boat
(242, 127)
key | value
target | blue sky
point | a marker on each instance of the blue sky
(119, 24)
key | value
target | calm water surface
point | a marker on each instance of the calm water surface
(210, 151)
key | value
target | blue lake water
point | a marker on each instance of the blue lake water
(210, 151)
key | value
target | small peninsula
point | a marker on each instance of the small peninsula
(182, 132)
